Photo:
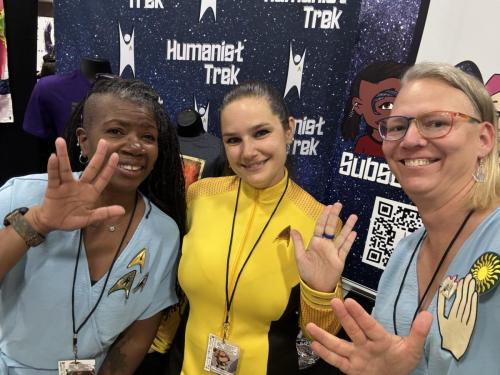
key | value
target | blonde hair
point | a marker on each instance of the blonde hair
(486, 194)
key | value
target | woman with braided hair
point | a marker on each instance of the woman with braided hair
(88, 260)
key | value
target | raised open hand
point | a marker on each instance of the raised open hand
(321, 265)
(373, 351)
(69, 204)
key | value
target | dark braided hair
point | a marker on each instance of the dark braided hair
(165, 184)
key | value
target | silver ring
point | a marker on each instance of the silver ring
(328, 236)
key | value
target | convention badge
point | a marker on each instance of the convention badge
(486, 272)
(307, 357)
(222, 357)
(78, 367)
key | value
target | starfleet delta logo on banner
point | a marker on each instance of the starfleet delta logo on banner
(307, 128)
(203, 111)
(295, 71)
(317, 17)
(210, 52)
(127, 55)
(208, 4)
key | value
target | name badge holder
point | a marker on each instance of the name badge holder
(77, 367)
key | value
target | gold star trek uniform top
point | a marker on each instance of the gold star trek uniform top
(269, 299)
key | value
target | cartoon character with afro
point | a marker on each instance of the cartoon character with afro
(372, 94)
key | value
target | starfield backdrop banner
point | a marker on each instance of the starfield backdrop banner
(193, 52)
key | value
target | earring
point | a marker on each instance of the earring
(480, 174)
(289, 146)
(83, 159)
(351, 113)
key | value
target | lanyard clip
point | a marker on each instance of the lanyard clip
(75, 346)
(225, 328)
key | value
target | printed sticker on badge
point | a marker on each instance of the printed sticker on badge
(449, 286)
(79, 367)
(222, 357)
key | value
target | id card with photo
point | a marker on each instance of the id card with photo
(79, 367)
(222, 357)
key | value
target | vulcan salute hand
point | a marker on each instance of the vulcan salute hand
(321, 265)
(68, 204)
(373, 351)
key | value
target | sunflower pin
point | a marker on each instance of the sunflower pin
(486, 271)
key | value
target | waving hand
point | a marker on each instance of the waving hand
(321, 265)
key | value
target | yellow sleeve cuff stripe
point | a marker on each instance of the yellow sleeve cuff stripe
(315, 307)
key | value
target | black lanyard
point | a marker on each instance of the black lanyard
(229, 298)
(433, 276)
(75, 329)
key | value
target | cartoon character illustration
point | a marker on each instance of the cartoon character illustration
(372, 93)
(493, 87)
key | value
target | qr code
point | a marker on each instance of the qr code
(390, 222)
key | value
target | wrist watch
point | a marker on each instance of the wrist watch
(23, 227)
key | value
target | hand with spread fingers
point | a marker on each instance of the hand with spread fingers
(373, 350)
(322, 263)
(68, 204)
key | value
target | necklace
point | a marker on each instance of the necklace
(441, 261)
(112, 227)
(109, 227)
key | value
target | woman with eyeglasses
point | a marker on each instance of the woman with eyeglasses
(437, 306)
(88, 260)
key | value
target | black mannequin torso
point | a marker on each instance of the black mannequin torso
(202, 153)
(189, 123)
(90, 66)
